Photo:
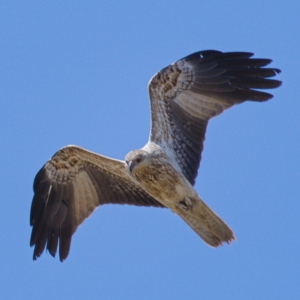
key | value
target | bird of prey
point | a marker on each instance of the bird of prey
(183, 98)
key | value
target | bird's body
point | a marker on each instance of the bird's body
(160, 177)
(183, 97)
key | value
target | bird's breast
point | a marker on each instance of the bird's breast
(159, 179)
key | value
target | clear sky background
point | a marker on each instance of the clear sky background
(76, 72)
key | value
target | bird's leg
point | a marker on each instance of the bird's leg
(186, 203)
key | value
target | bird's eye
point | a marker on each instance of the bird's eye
(138, 160)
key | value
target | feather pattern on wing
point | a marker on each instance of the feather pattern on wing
(67, 190)
(186, 94)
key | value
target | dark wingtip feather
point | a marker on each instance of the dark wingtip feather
(255, 83)
(253, 95)
(52, 243)
(278, 71)
(64, 248)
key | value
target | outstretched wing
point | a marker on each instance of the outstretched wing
(186, 94)
(67, 190)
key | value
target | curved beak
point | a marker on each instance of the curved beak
(131, 166)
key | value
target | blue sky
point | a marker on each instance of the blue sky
(76, 72)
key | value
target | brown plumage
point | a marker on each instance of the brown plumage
(183, 97)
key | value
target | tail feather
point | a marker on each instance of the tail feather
(207, 224)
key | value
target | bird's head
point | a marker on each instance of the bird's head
(136, 159)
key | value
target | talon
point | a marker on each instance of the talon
(189, 201)
(186, 203)
(182, 205)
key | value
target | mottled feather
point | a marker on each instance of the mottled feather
(186, 94)
(68, 189)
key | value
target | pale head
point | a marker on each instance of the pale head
(136, 158)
